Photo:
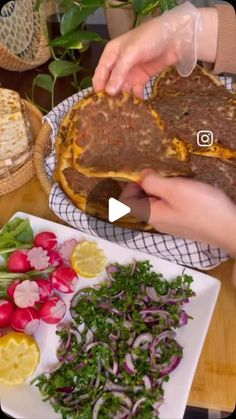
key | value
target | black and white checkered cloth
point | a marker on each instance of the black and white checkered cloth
(181, 251)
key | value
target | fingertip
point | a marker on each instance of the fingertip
(147, 172)
(126, 88)
(100, 78)
(111, 89)
(154, 185)
(138, 90)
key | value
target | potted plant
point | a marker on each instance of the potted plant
(67, 39)
(123, 15)
(70, 36)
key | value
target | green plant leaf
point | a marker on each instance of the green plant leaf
(74, 16)
(149, 6)
(92, 3)
(167, 4)
(138, 5)
(19, 229)
(66, 4)
(61, 68)
(146, 7)
(75, 40)
(86, 82)
(37, 5)
(16, 234)
(45, 81)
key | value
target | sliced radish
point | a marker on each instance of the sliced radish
(6, 310)
(64, 279)
(53, 310)
(47, 240)
(55, 259)
(25, 320)
(38, 258)
(45, 289)
(11, 288)
(26, 294)
(67, 249)
(18, 261)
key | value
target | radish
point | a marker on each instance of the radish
(47, 240)
(26, 294)
(25, 320)
(6, 310)
(55, 259)
(45, 289)
(11, 288)
(18, 261)
(64, 279)
(38, 258)
(53, 310)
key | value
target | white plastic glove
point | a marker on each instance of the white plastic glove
(130, 60)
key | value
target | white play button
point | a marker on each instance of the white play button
(116, 210)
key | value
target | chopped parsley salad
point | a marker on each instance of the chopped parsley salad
(120, 346)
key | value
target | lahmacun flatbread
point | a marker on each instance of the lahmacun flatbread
(120, 136)
(91, 195)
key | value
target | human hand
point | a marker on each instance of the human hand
(185, 208)
(176, 37)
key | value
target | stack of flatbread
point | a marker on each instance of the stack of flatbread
(111, 138)
(14, 132)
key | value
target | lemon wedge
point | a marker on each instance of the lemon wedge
(88, 259)
(19, 357)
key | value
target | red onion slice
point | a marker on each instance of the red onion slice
(152, 294)
(110, 386)
(124, 399)
(112, 268)
(98, 378)
(183, 320)
(170, 334)
(113, 370)
(170, 366)
(161, 313)
(129, 366)
(137, 404)
(99, 403)
(89, 337)
(147, 382)
(106, 306)
(124, 414)
(91, 345)
(144, 338)
(68, 343)
(133, 269)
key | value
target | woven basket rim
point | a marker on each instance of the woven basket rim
(12, 62)
(42, 146)
(25, 172)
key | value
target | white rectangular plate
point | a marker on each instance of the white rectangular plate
(24, 402)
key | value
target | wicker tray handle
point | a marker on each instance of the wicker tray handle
(42, 149)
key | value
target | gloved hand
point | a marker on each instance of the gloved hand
(185, 208)
(130, 60)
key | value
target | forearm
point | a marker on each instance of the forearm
(208, 37)
(217, 40)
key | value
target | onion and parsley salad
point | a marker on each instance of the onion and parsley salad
(120, 346)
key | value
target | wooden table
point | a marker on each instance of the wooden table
(214, 384)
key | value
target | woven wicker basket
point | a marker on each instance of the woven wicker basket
(12, 62)
(42, 150)
(24, 173)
